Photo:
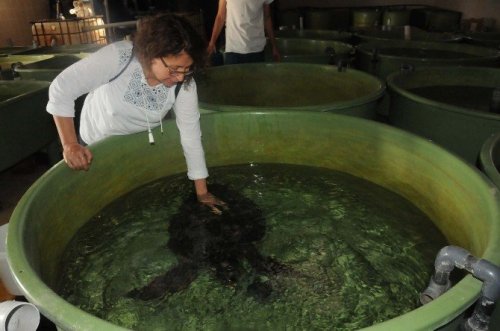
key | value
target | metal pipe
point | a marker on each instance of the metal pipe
(109, 32)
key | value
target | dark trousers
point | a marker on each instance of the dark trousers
(236, 58)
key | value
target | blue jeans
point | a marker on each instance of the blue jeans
(236, 58)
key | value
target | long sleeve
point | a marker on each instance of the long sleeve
(188, 122)
(82, 77)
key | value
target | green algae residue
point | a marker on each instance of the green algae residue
(358, 255)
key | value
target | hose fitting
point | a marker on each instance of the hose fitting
(450, 257)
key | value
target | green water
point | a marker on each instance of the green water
(471, 97)
(360, 255)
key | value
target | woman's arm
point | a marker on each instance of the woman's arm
(268, 25)
(76, 156)
(188, 121)
(219, 22)
(82, 77)
(76, 80)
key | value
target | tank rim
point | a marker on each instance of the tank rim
(392, 85)
(326, 107)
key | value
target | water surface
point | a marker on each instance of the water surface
(355, 254)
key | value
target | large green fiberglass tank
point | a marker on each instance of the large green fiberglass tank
(343, 36)
(381, 58)
(10, 62)
(63, 49)
(289, 86)
(456, 197)
(25, 126)
(450, 106)
(489, 158)
(401, 33)
(48, 69)
(311, 51)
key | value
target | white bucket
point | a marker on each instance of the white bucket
(6, 275)
(18, 316)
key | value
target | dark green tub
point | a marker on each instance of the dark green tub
(486, 39)
(395, 17)
(6, 63)
(4, 51)
(363, 18)
(447, 105)
(381, 58)
(343, 36)
(326, 18)
(289, 86)
(25, 126)
(311, 51)
(489, 159)
(454, 195)
(64, 49)
(288, 19)
(436, 19)
(398, 33)
(50, 68)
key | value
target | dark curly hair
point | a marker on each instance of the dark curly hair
(168, 34)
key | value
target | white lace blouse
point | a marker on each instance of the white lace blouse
(127, 104)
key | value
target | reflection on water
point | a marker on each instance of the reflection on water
(343, 254)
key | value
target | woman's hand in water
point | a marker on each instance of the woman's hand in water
(215, 204)
(77, 157)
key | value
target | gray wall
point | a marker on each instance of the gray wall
(15, 19)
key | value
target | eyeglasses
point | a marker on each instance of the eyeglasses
(176, 73)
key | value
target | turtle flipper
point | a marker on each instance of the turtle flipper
(175, 280)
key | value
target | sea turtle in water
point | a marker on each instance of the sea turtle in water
(223, 244)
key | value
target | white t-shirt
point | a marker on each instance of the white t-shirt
(126, 104)
(245, 26)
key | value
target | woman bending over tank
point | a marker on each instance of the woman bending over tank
(131, 86)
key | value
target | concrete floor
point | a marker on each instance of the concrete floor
(14, 182)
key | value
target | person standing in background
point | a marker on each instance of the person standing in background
(247, 23)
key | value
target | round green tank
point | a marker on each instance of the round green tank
(326, 18)
(396, 17)
(381, 58)
(311, 51)
(343, 36)
(4, 51)
(398, 33)
(444, 20)
(363, 18)
(489, 158)
(48, 69)
(288, 19)
(64, 49)
(448, 105)
(435, 19)
(287, 86)
(25, 126)
(455, 196)
(486, 39)
(7, 63)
